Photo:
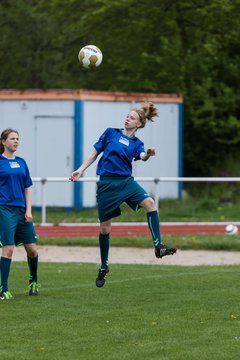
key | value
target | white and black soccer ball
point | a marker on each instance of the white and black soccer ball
(90, 57)
(231, 229)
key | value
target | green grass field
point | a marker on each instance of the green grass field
(143, 312)
(193, 242)
(203, 208)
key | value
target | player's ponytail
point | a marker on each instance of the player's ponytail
(146, 112)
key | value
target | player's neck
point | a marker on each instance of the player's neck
(8, 155)
(130, 133)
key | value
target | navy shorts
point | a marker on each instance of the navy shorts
(14, 230)
(113, 191)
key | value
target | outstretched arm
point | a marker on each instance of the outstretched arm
(146, 155)
(87, 162)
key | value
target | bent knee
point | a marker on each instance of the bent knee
(105, 227)
(105, 230)
(148, 204)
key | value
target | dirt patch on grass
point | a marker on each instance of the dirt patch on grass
(119, 255)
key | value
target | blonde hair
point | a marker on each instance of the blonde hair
(4, 136)
(146, 112)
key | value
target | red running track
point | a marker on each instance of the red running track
(126, 230)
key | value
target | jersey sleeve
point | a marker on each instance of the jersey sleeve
(28, 180)
(139, 149)
(101, 143)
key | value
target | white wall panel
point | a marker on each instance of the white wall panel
(46, 130)
(46, 143)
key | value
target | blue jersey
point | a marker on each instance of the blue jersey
(119, 151)
(14, 178)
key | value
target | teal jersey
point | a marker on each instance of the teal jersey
(118, 151)
(14, 178)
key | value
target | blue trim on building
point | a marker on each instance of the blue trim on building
(78, 151)
(180, 148)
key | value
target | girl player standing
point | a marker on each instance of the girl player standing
(16, 227)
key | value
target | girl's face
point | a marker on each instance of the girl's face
(132, 121)
(12, 142)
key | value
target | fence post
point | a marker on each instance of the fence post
(43, 200)
(156, 192)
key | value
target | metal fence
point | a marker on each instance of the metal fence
(155, 181)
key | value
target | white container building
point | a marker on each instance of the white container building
(59, 127)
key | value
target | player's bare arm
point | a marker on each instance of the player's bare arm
(28, 198)
(87, 162)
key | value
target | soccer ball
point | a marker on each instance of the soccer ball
(231, 229)
(90, 56)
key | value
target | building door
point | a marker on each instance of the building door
(53, 158)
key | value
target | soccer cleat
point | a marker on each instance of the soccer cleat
(163, 250)
(5, 295)
(100, 280)
(33, 289)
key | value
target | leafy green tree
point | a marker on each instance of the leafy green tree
(183, 46)
(211, 48)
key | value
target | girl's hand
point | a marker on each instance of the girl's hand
(150, 152)
(75, 176)
(28, 216)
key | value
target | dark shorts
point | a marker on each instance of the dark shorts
(113, 191)
(14, 230)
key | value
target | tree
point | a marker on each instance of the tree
(189, 47)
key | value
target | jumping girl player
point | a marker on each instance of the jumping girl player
(16, 227)
(116, 184)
